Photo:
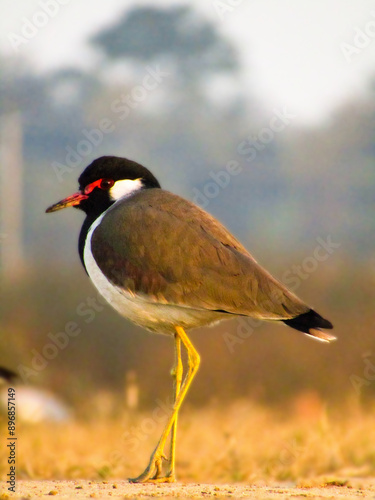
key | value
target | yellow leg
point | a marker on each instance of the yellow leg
(152, 473)
(177, 380)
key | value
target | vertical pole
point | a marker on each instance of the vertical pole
(11, 196)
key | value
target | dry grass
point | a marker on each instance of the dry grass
(239, 443)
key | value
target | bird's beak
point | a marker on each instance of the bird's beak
(70, 201)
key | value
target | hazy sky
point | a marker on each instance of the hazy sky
(293, 51)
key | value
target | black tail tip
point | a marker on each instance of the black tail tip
(311, 324)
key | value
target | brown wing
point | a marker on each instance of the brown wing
(159, 244)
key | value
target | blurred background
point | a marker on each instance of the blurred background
(262, 112)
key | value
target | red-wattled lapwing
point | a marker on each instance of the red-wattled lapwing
(169, 266)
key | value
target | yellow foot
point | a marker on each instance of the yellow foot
(152, 473)
(163, 479)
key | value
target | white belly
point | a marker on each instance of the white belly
(157, 317)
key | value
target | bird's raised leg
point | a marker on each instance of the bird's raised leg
(152, 473)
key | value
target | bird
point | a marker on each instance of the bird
(169, 266)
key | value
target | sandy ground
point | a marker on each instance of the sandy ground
(123, 489)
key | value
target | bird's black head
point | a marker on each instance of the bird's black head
(105, 181)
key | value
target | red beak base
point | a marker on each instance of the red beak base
(70, 201)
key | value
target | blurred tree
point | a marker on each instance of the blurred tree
(51, 104)
(195, 114)
(178, 34)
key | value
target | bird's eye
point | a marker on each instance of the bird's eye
(106, 183)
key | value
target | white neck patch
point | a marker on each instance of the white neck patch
(124, 187)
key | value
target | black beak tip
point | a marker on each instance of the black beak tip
(53, 208)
